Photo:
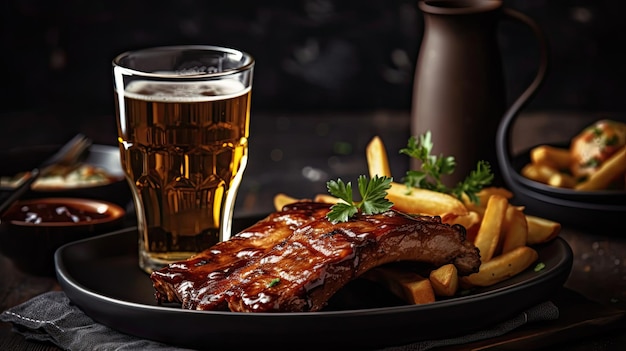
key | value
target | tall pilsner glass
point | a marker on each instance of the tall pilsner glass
(183, 117)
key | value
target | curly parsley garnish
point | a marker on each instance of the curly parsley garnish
(433, 167)
(373, 198)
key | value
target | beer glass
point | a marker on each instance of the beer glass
(183, 115)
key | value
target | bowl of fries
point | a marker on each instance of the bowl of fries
(536, 172)
(580, 182)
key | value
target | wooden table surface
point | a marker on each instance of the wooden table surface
(592, 302)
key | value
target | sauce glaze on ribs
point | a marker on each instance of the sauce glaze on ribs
(196, 282)
(304, 269)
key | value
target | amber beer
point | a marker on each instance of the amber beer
(184, 147)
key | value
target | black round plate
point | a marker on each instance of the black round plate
(101, 276)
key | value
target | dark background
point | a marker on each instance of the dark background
(311, 54)
(332, 61)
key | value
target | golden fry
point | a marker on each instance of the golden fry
(531, 171)
(377, 161)
(553, 157)
(562, 180)
(280, 200)
(538, 172)
(515, 229)
(610, 170)
(483, 197)
(326, 198)
(488, 237)
(469, 220)
(444, 280)
(485, 193)
(423, 201)
(541, 230)
(409, 286)
(502, 267)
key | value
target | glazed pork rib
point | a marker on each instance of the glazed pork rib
(303, 271)
(295, 259)
(195, 283)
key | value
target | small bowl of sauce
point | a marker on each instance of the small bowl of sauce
(62, 212)
(31, 230)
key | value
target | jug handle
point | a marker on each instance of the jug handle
(503, 134)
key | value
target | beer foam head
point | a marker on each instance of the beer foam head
(184, 91)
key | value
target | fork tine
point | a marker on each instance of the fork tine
(69, 154)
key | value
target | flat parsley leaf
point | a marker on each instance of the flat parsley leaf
(373, 197)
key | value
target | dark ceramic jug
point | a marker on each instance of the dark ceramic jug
(459, 90)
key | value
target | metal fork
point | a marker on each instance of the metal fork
(69, 155)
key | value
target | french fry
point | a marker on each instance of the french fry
(377, 161)
(554, 157)
(562, 180)
(444, 280)
(546, 174)
(515, 229)
(502, 267)
(531, 171)
(326, 198)
(424, 201)
(538, 172)
(610, 170)
(485, 193)
(488, 237)
(541, 230)
(280, 200)
(409, 286)
(471, 219)
(483, 197)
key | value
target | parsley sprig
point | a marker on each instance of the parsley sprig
(373, 197)
(433, 167)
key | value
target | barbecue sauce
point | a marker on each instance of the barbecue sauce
(45, 212)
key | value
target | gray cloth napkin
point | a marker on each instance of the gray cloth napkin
(54, 318)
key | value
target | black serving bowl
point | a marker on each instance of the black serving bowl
(590, 210)
(613, 197)
(105, 157)
(601, 210)
(31, 230)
